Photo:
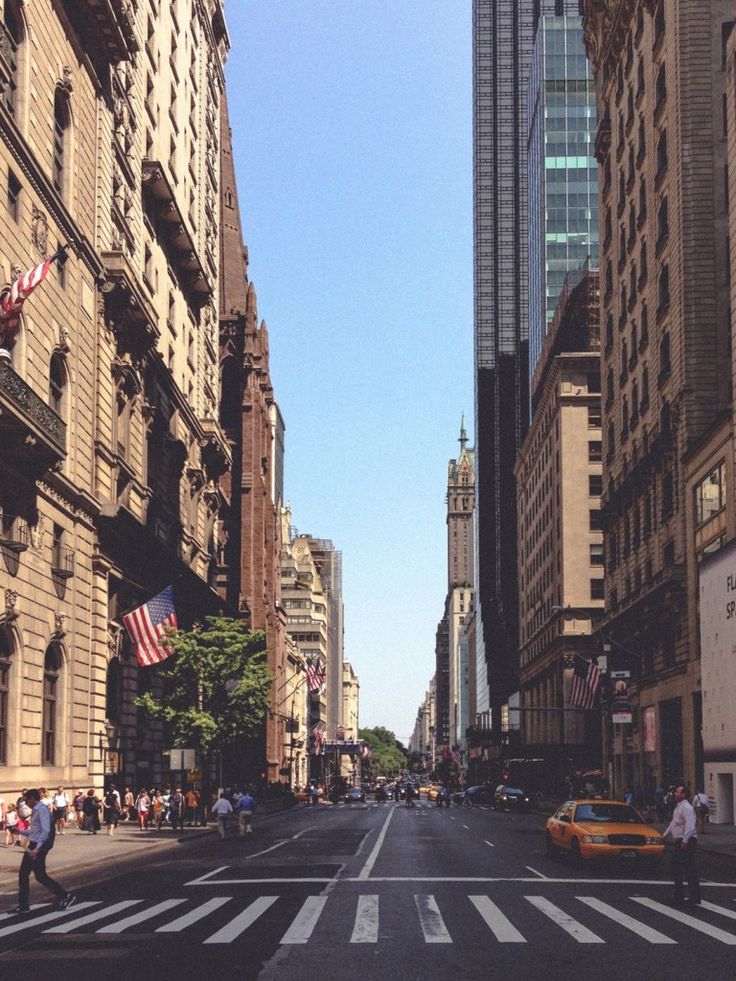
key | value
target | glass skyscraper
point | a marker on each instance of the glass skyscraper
(503, 42)
(563, 173)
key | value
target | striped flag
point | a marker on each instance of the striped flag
(147, 627)
(12, 301)
(316, 674)
(586, 680)
(318, 738)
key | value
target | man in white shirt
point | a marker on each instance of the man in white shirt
(61, 803)
(684, 833)
(221, 808)
(701, 803)
(40, 842)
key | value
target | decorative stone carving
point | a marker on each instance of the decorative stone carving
(66, 79)
(114, 639)
(15, 273)
(37, 535)
(60, 626)
(11, 604)
(40, 230)
(62, 345)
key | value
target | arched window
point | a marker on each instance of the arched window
(14, 38)
(113, 690)
(230, 401)
(62, 119)
(57, 383)
(6, 652)
(51, 669)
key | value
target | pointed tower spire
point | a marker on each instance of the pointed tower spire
(463, 433)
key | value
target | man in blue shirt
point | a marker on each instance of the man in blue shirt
(245, 807)
(40, 836)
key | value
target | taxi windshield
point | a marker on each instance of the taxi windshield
(614, 813)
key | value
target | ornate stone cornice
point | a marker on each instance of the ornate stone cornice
(605, 25)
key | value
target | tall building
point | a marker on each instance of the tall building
(563, 173)
(460, 575)
(561, 581)
(666, 340)
(328, 561)
(503, 38)
(110, 446)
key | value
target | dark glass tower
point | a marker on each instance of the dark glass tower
(503, 39)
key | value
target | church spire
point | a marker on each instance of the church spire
(463, 433)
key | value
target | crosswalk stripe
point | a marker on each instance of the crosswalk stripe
(98, 914)
(501, 927)
(33, 908)
(305, 921)
(641, 929)
(731, 914)
(433, 926)
(570, 925)
(148, 913)
(691, 921)
(193, 916)
(232, 930)
(365, 929)
(27, 924)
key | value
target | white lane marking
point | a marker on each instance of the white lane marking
(501, 927)
(34, 907)
(641, 929)
(509, 878)
(305, 921)
(718, 909)
(468, 829)
(535, 872)
(146, 914)
(280, 844)
(691, 921)
(242, 921)
(433, 926)
(203, 880)
(489, 843)
(365, 929)
(371, 860)
(193, 916)
(27, 923)
(98, 914)
(248, 882)
(570, 925)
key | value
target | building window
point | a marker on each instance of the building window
(594, 520)
(14, 189)
(57, 383)
(14, 39)
(668, 495)
(664, 289)
(6, 652)
(51, 670)
(594, 417)
(595, 451)
(661, 155)
(596, 589)
(113, 690)
(61, 126)
(710, 494)
(595, 485)
(660, 88)
(663, 223)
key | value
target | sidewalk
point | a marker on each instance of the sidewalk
(79, 850)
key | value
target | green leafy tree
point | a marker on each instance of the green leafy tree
(389, 756)
(216, 687)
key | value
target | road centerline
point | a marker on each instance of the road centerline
(371, 860)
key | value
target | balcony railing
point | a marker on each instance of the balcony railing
(15, 534)
(31, 433)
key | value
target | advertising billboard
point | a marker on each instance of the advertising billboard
(717, 588)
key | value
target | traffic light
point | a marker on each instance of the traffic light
(263, 775)
(506, 776)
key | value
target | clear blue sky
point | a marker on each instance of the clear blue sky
(352, 125)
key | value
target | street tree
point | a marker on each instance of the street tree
(388, 755)
(215, 687)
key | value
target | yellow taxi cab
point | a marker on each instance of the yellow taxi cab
(597, 829)
(432, 791)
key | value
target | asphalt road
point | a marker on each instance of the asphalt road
(374, 891)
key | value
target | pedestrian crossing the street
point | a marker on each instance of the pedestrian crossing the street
(226, 920)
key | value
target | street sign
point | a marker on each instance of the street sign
(620, 674)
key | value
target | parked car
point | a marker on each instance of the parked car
(477, 795)
(508, 798)
(596, 829)
(354, 795)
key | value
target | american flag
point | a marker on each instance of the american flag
(316, 673)
(12, 301)
(318, 738)
(148, 625)
(366, 751)
(586, 679)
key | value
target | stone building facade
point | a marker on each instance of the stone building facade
(561, 579)
(111, 447)
(660, 77)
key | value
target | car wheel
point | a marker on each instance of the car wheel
(577, 858)
(551, 850)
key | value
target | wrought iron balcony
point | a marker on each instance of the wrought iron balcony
(105, 27)
(32, 435)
